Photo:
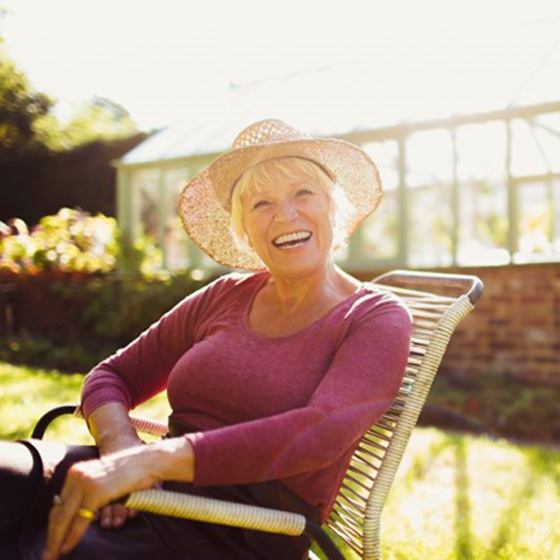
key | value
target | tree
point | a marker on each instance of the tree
(46, 164)
(94, 120)
(20, 109)
(28, 124)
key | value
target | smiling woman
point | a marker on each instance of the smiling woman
(285, 218)
(306, 178)
(257, 417)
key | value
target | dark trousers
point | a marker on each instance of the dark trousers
(31, 472)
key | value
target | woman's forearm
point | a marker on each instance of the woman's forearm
(168, 459)
(111, 428)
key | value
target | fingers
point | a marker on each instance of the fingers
(66, 526)
(76, 531)
(90, 485)
(68, 518)
(59, 522)
(66, 532)
(115, 516)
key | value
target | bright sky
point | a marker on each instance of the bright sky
(165, 60)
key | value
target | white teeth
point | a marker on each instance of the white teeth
(296, 236)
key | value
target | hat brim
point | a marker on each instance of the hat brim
(205, 199)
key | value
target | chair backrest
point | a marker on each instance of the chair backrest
(357, 511)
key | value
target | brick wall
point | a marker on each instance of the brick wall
(515, 328)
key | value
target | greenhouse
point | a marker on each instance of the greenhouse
(468, 190)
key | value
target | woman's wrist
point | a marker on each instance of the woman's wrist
(111, 428)
(173, 459)
(117, 443)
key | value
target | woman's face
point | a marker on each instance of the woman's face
(288, 225)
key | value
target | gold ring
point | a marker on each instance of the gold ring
(57, 500)
(86, 514)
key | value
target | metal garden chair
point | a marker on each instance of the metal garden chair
(438, 303)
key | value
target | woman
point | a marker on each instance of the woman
(272, 375)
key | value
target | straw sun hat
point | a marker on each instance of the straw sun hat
(205, 201)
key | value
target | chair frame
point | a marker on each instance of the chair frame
(356, 516)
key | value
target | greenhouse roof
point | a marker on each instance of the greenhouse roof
(340, 100)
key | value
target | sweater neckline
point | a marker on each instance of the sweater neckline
(246, 325)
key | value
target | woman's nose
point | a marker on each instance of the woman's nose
(286, 211)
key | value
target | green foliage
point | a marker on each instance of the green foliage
(27, 349)
(96, 119)
(70, 240)
(82, 293)
(20, 108)
(94, 316)
(118, 307)
(28, 124)
(105, 312)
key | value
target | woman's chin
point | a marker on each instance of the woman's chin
(295, 264)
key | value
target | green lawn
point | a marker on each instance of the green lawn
(455, 497)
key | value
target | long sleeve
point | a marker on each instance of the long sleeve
(360, 384)
(140, 370)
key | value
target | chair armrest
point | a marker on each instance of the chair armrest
(143, 425)
(469, 285)
(210, 510)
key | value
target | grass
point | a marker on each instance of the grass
(456, 497)
(27, 393)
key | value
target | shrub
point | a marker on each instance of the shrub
(42, 352)
(118, 307)
(79, 292)
(70, 240)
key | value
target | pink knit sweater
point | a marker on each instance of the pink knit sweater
(290, 408)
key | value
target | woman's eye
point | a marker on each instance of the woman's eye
(304, 192)
(260, 204)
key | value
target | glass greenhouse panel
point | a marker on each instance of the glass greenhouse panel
(176, 242)
(549, 145)
(483, 213)
(482, 152)
(429, 159)
(429, 176)
(537, 238)
(526, 155)
(430, 225)
(145, 185)
(386, 156)
(379, 232)
(146, 209)
(548, 133)
(483, 224)
(377, 237)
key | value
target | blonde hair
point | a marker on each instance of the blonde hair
(284, 169)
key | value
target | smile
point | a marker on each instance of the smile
(291, 240)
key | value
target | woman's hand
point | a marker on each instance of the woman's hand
(92, 485)
(89, 486)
